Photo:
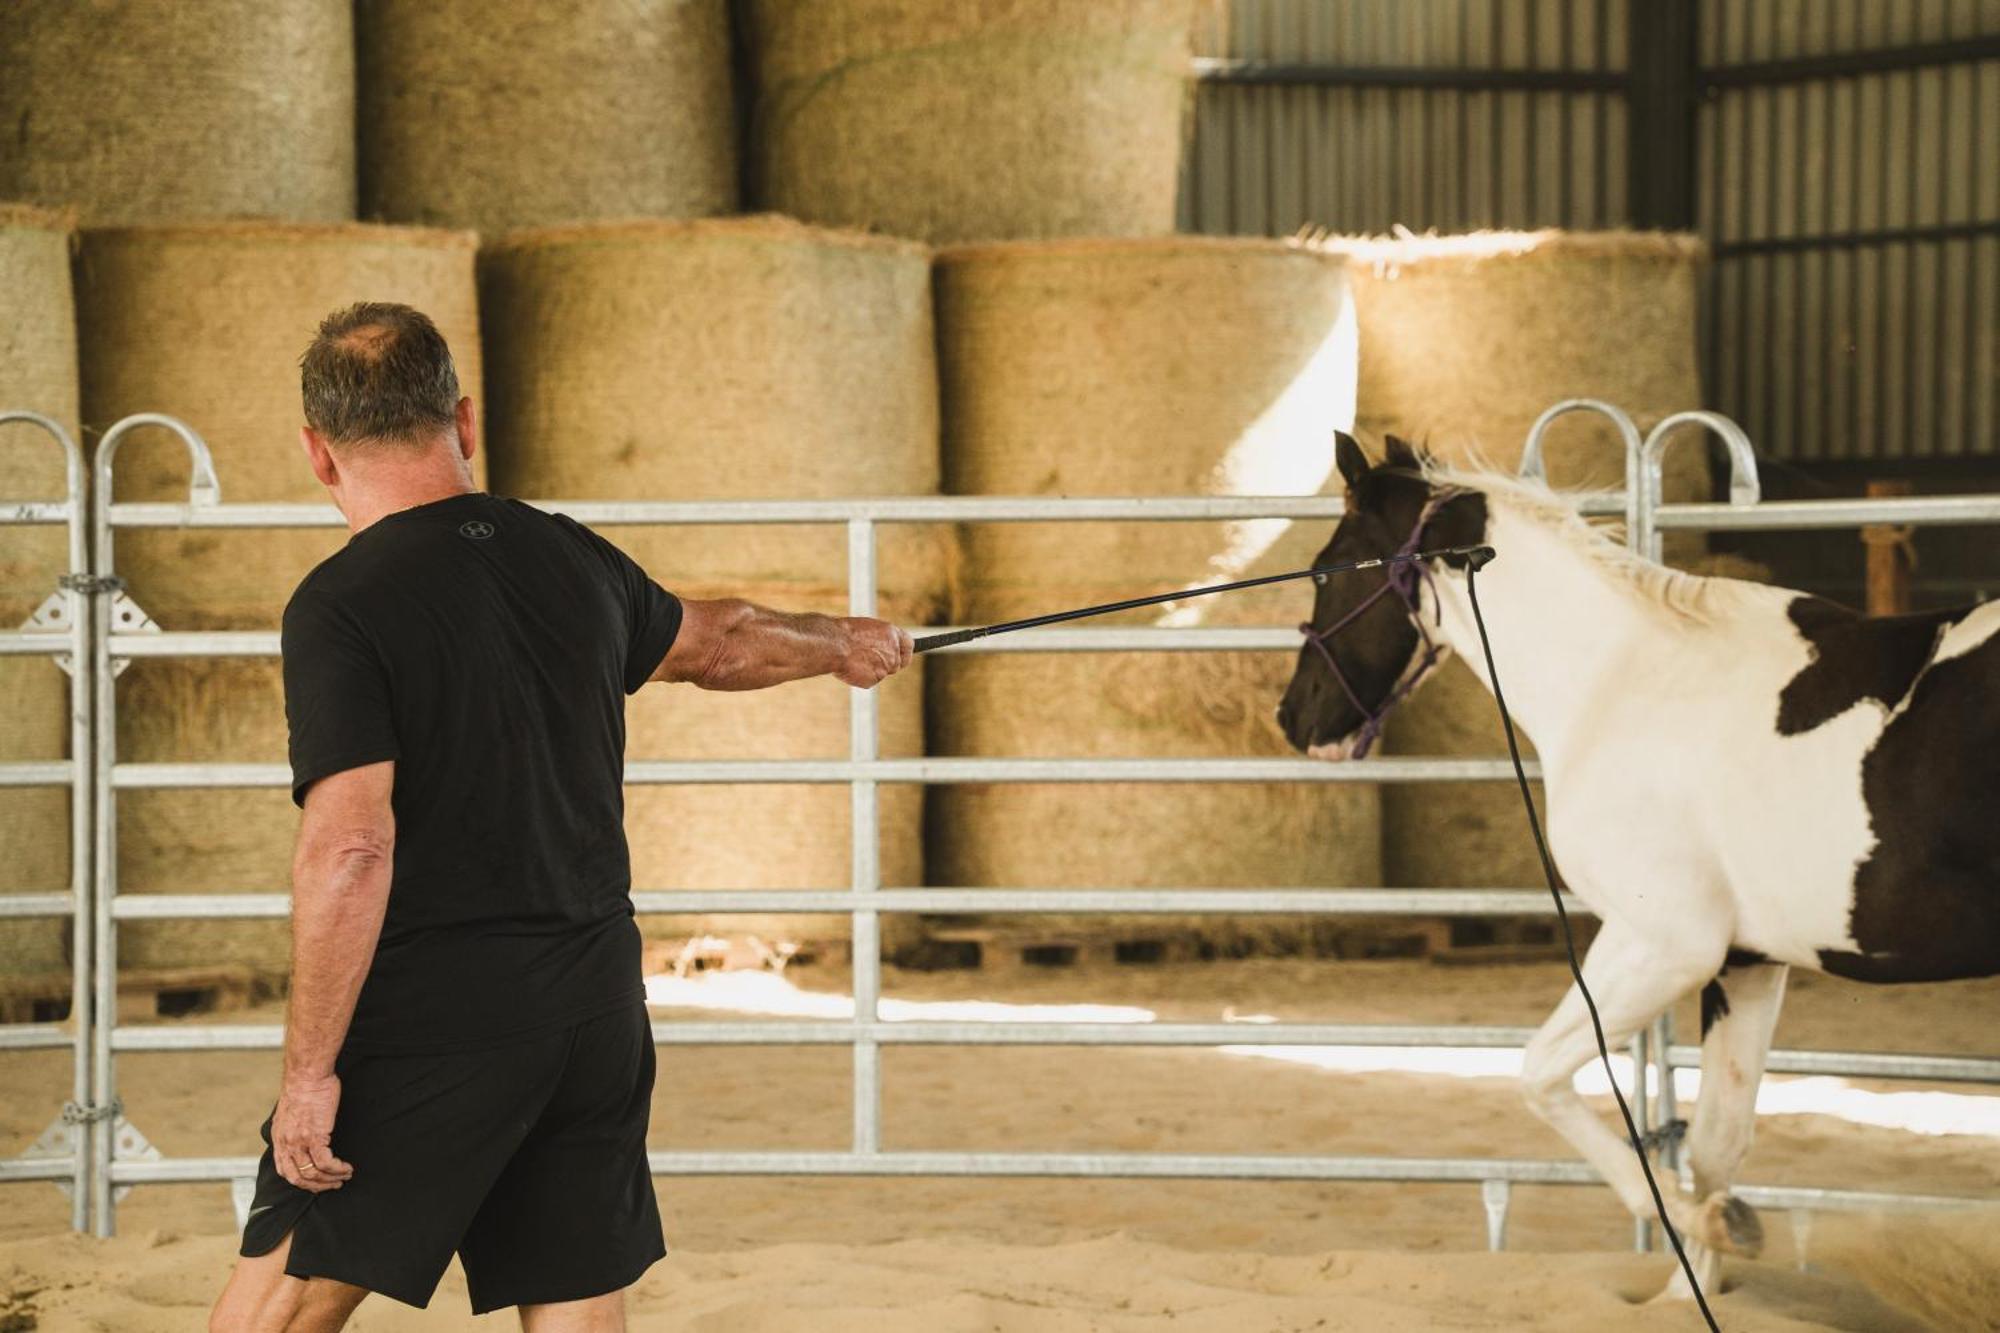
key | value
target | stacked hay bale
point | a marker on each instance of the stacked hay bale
(205, 323)
(1171, 367)
(1465, 340)
(741, 359)
(158, 111)
(969, 120)
(37, 373)
(518, 114)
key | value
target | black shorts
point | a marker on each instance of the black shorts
(527, 1159)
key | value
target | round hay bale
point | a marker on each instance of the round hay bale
(1171, 367)
(162, 111)
(609, 109)
(733, 359)
(1465, 340)
(972, 120)
(37, 373)
(206, 323)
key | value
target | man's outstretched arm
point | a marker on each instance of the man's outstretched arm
(340, 890)
(730, 644)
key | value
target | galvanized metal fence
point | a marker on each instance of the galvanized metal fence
(112, 1155)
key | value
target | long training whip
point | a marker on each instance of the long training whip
(1476, 558)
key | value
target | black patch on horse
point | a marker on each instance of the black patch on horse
(1927, 899)
(1714, 999)
(1714, 1006)
(1855, 658)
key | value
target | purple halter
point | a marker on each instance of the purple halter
(1403, 579)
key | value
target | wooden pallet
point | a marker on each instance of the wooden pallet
(35, 997)
(736, 953)
(170, 992)
(1007, 947)
(1003, 948)
(143, 993)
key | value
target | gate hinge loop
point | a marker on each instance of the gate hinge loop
(74, 1113)
(91, 585)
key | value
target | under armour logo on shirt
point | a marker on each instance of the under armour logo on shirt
(478, 529)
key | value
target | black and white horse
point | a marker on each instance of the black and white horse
(1740, 780)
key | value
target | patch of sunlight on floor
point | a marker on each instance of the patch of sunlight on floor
(771, 995)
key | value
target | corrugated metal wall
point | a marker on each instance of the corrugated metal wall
(1828, 343)
(1268, 159)
(1826, 348)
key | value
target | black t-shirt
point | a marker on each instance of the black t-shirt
(486, 647)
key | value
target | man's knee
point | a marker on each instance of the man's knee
(260, 1297)
(599, 1314)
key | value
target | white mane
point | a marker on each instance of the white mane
(1687, 596)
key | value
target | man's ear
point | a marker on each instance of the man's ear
(468, 433)
(1353, 463)
(319, 456)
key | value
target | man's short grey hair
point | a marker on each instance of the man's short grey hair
(378, 371)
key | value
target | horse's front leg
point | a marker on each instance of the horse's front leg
(1739, 1012)
(1633, 980)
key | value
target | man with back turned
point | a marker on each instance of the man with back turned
(468, 1062)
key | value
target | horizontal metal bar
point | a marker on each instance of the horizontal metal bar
(1225, 902)
(1855, 240)
(936, 771)
(182, 1170)
(1133, 1166)
(38, 1168)
(199, 1037)
(203, 643)
(1188, 1034)
(1850, 64)
(200, 906)
(1801, 515)
(1864, 1064)
(35, 1037)
(1175, 1166)
(887, 509)
(55, 773)
(1209, 69)
(836, 1032)
(1773, 515)
(34, 513)
(37, 904)
(258, 643)
(1785, 1196)
(37, 643)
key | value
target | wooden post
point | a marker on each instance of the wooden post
(1891, 557)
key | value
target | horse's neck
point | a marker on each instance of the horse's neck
(1559, 620)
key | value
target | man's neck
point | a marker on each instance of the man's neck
(391, 491)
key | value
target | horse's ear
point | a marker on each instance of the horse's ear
(1353, 463)
(1400, 454)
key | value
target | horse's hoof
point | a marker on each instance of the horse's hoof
(1727, 1224)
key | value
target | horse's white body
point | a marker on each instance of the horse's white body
(1677, 810)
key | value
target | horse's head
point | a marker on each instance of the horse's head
(1372, 639)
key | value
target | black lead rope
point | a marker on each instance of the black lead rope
(1569, 946)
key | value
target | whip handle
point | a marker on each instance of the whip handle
(930, 641)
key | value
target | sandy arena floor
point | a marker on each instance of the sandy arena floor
(922, 1255)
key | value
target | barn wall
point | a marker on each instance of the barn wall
(1831, 341)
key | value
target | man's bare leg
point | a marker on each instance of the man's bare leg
(599, 1314)
(262, 1298)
